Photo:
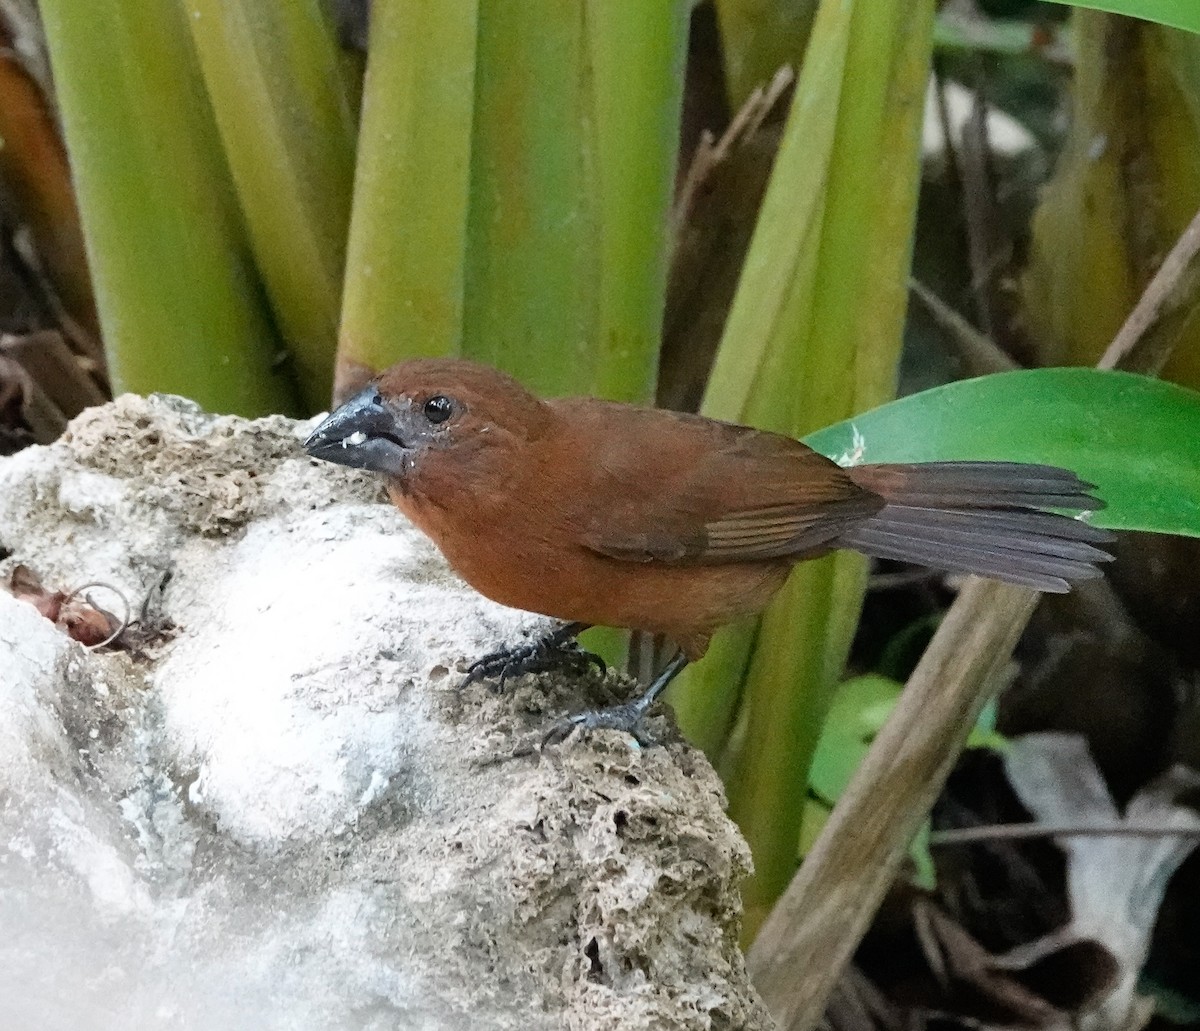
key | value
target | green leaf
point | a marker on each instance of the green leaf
(285, 107)
(180, 303)
(859, 710)
(1179, 14)
(513, 190)
(567, 239)
(1137, 439)
(403, 293)
(812, 336)
(861, 706)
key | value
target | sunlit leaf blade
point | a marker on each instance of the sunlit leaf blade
(181, 306)
(403, 293)
(1180, 14)
(813, 335)
(286, 111)
(1136, 438)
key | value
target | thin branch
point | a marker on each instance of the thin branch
(1144, 342)
(978, 352)
(979, 207)
(711, 152)
(1028, 831)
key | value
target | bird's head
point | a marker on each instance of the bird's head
(426, 407)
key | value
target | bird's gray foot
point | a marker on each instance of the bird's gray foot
(557, 650)
(627, 717)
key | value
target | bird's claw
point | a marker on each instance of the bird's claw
(534, 657)
(628, 718)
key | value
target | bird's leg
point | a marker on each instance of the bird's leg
(626, 717)
(556, 650)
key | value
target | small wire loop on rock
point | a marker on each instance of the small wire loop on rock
(125, 620)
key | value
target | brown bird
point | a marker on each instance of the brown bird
(595, 512)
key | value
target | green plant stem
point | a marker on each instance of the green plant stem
(566, 265)
(405, 262)
(768, 314)
(813, 336)
(637, 52)
(285, 110)
(180, 305)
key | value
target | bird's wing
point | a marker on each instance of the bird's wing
(709, 492)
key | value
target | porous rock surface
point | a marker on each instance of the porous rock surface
(286, 816)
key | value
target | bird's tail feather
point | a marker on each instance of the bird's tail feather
(985, 518)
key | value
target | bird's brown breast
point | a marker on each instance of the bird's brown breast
(570, 582)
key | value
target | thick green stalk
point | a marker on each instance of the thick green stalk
(534, 230)
(779, 264)
(814, 336)
(180, 304)
(403, 293)
(1127, 183)
(747, 382)
(286, 113)
(569, 199)
(637, 53)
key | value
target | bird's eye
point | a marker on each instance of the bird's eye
(438, 409)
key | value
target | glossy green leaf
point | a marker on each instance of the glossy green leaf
(1137, 439)
(1180, 14)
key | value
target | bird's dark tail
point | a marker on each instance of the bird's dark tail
(985, 518)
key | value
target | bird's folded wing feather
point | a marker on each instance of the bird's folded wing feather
(712, 492)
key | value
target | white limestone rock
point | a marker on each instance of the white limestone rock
(286, 816)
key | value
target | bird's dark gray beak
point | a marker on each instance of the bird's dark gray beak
(363, 434)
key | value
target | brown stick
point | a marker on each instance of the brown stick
(1143, 343)
(815, 927)
(977, 351)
